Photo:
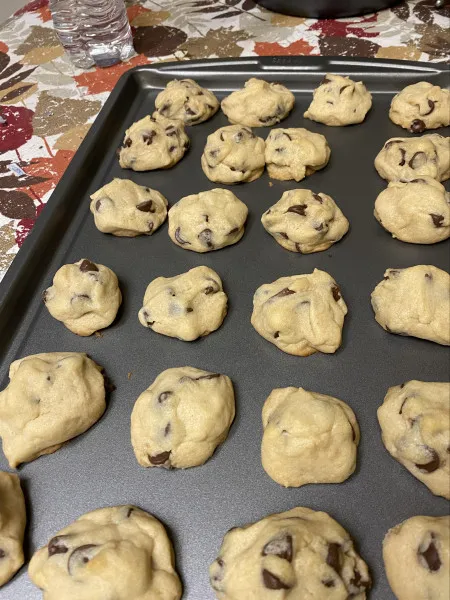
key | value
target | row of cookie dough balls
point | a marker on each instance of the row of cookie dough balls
(126, 552)
(338, 101)
(300, 314)
(183, 416)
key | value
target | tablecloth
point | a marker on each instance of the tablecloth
(47, 105)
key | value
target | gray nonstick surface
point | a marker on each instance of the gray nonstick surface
(199, 505)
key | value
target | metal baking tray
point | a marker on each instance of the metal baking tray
(199, 505)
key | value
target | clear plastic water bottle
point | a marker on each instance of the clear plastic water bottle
(93, 31)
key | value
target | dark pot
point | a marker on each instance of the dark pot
(326, 9)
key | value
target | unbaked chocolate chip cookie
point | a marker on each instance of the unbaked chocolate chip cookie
(301, 314)
(416, 211)
(153, 143)
(51, 398)
(308, 438)
(339, 101)
(207, 221)
(119, 552)
(416, 302)
(187, 101)
(85, 296)
(187, 306)
(295, 153)
(233, 154)
(415, 424)
(12, 526)
(302, 221)
(258, 104)
(410, 158)
(421, 106)
(297, 554)
(416, 556)
(127, 209)
(181, 418)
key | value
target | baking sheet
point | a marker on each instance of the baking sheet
(199, 505)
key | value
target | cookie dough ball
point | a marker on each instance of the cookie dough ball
(415, 302)
(297, 554)
(308, 438)
(120, 552)
(12, 526)
(233, 154)
(127, 209)
(187, 306)
(339, 101)
(85, 296)
(259, 104)
(181, 418)
(416, 211)
(415, 425)
(295, 153)
(187, 101)
(153, 144)
(207, 221)
(410, 158)
(51, 398)
(302, 221)
(301, 314)
(421, 106)
(416, 556)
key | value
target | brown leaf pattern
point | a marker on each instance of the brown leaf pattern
(36, 77)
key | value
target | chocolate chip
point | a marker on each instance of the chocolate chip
(2, 553)
(334, 556)
(146, 206)
(165, 107)
(238, 137)
(280, 149)
(189, 309)
(233, 231)
(402, 385)
(189, 111)
(221, 137)
(267, 119)
(45, 295)
(428, 276)
(430, 555)
(272, 582)
(288, 136)
(328, 582)
(147, 138)
(160, 459)
(280, 546)
(358, 582)
(276, 334)
(57, 546)
(432, 465)
(178, 237)
(163, 396)
(282, 293)
(341, 89)
(431, 105)
(330, 102)
(170, 130)
(418, 160)
(298, 209)
(167, 429)
(206, 217)
(209, 376)
(403, 404)
(318, 198)
(403, 154)
(417, 126)
(172, 148)
(129, 511)
(213, 153)
(318, 227)
(437, 219)
(324, 81)
(283, 234)
(127, 143)
(80, 557)
(205, 238)
(210, 290)
(86, 265)
(298, 247)
(335, 290)
(98, 205)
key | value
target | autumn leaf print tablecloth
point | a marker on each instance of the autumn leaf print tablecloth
(47, 105)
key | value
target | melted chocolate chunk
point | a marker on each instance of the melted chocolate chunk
(86, 265)
(437, 219)
(282, 293)
(417, 126)
(272, 582)
(283, 235)
(280, 546)
(336, 292)
(233, 231)
(318, 198)
(205, 238)
(160, 459)
(178, 237)
(431, 105)
(298, 209)
(276, 334)
(430, 555)
(163, 396)
(57, 546)
(334, 556)
(418, 160)
(127, 143)
(147, 138)
(432, 465)
(146, 206)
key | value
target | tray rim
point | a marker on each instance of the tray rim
(15, 277)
